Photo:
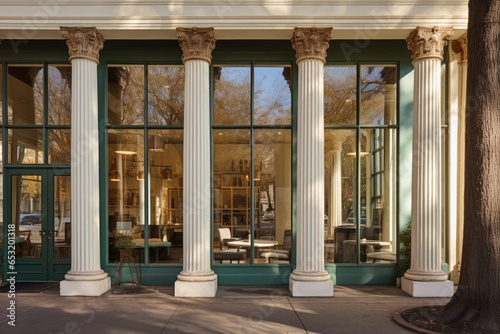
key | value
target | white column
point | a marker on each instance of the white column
(310, 277)
(457, 101)
(425, 277)
(196, 278)
(335, 214)
(85, 278)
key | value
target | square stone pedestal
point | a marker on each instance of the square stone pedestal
(84, 288)
(311, 289)
(427, 288)
(195, 289)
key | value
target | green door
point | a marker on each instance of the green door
(39, 227)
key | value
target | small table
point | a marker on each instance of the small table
(363, 243)
(258, 244)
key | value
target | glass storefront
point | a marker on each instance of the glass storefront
(145, 161)
(253, 159)
(360, 164)
(252, 164)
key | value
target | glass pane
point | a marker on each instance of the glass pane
(59, 85)
(59, 146)
(125, 193)
(231, 195)
(378, 95)
(273, 195)
(272, 95)
(340, 181)
(232, 95)
(125, 94)
(62, 216)
(166, 95)
(25, 85)
(25, 146)
(165, 149)
(373, 210)
(27, 215)
(340, 95)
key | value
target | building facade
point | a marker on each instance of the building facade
(256, 143)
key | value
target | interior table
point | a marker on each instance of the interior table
(350, 256)
(258, 244)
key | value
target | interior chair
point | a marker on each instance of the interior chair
(283, 254)
(225, 253)
(225, 236)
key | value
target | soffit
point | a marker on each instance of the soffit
(244, 19)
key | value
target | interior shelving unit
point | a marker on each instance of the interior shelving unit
(232, 203)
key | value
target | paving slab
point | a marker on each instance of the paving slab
(234, 310)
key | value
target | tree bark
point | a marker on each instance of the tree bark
(477, 299)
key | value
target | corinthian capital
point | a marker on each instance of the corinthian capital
(311, 43)
(83, 42)
(428, 42)
(196, 43)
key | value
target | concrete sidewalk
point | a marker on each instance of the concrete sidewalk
(235, 309)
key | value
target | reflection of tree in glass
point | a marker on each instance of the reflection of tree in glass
(231, 95)
(59, 86)
(340, 95)
(30, 188)
(272, 96)
(126, 95)
(132, 102)
(372, 95)
(59, 112)
(165, 95)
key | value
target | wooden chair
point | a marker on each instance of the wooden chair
(225, 253)
(283, 254)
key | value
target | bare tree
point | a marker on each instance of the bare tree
(477, 299)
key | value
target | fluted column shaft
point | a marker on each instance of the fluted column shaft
(84, 45)
(335, 213)
(196, 278)
(196, 187)
(310, 45)
(84, 169)
(310, 168)
(427, 46)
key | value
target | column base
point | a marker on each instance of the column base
(427, 288)
(317, 286)
(85, 288)
(195, 289)
(195, 286)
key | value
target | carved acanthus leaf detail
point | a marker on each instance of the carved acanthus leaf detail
(311, 43)
(83, 42)
(196, 43)
(426, 42)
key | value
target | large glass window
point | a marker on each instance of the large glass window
(39, 114)
(252, 164)
(145, 144)
(360, 164)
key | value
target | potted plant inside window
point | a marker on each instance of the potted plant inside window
(127, 274)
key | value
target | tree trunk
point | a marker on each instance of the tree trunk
(477, 299)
